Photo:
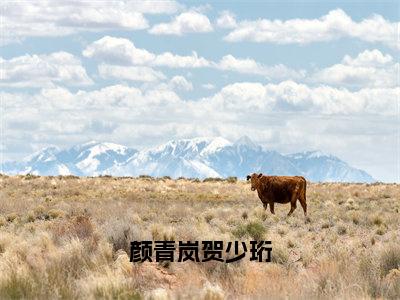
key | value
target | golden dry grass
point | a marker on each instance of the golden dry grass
(66, 237)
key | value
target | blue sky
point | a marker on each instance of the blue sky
(292, 75)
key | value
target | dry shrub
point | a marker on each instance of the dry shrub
(328, 278)
(11, 217)
(389, 259)
(80, 227)
(279, 254)
(212, 179)
(48, 254)
(160, 232)
(369, 273)
(15, 286)
(208, 216)
(391, 284)
(212, 292)
(56, 213)
(291, 244)
(120, 234)
(3, 221)
(326, 225)
(381, 230)
(377, 220)
(341, 229)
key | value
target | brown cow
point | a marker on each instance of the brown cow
(279, 189)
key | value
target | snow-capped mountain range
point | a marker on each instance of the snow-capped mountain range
(198, 157)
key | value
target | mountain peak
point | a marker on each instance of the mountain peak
(101, 147)
(194, 146)
(90, 143)
(47, 153)
(245, 141)
(86, 145)
(198, 157)
(214, 145)
(311, 155)
(316, 154)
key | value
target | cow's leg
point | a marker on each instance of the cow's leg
(265, 204)
(303, 204)
(271, 207)
(303, 200)
(292, 207)
(293, 202)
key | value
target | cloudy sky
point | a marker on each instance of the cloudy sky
(292, 76)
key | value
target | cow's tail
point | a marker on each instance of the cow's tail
(304, 189)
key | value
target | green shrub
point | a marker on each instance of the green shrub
(60, 177)
(30, 176)
(105, 176)
(147, 177)
(212, 179)
(255, 230)
(231, 179)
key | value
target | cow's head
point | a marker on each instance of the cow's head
(255, 180)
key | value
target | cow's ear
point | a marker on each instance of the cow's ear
(248, 177)
(259, 175)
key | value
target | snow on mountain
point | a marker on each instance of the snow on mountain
(43, 162)
(94, 158)
(317, 166)
(215, 145)
(199, 157)
(189, 148)
(176, 158)
(46, 154)
(88, 159)
(245, 141)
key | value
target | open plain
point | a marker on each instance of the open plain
(68, 237)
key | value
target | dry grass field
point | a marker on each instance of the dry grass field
(66, 237)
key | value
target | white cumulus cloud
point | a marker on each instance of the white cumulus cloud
(332, 26)
(187, 22)
(122, 51)
(132, 73)
(43, 70)
(208, 86)
(23, 19)
(226, 20)
(289, 96)
(368, 58)
(117, 51)
(171, 60)
(180, 82)
(368, 68)
(250, 66)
